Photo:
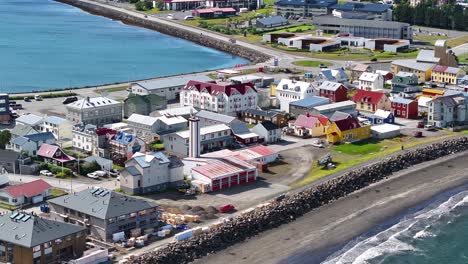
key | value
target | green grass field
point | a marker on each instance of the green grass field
(429, 39)
(457, 41)
(463, 58)
(348, 155)
(311, 63)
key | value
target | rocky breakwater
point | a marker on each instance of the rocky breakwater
(295, 205)
(250, 54)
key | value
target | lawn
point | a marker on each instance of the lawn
(457, 41)
(294, 29)
(463, 58)
(311, 63)
(429, 39)
(57, 192)
(250, 125)
(349, 155)
(115, 89)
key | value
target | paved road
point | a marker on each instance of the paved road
(460, 50)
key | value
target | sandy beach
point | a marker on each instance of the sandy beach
(319, 233)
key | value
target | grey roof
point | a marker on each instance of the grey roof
(29, 119)
(311, 101)
(99, 160)
(92, 102)
(309, 3)
(225, 119)
(29, 231)
(413, 64)
(401, 100)
(144, 160)
(55, 120)
(361, 7)
(268, 125)
(239, 127)
(4, 179)
(172, 81)
(330, 86)
(8, 155)
(427, 56)
(338, 115)
(272, 20)
(21, 130)
(258, 112)
(132, 171)
(102, 203)
(328, 19)
(175, 162)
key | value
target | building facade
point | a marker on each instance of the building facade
(5, 113)
(97, 111)
(448, 110)
(405, 108)
(369, 101)
(143, 104)
(289, 91)
(371, 82)
(255, 116)
(445, 74)
(334, 91)
(310, 8)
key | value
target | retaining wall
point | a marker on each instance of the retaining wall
(247, 53)
(295, 205)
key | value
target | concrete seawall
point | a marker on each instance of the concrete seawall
(237, 50)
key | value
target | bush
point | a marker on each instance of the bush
(373, 59)
(61, 175)
(55, 169)
(89, 167)
(45, 96)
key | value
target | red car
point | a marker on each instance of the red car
(226, 208)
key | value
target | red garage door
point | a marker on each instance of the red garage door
(251, 176)
(234, 180)
(215, 185)
(225, 183)
(242, 177)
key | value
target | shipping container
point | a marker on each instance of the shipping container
(184, 235)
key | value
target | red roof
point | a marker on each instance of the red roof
(306, 121)
(48, 151)
(214, 9)
(29, 189)
(105, 131)
(221, 167)
(214, 88)
(367, 96)
(347, 124)
(262, 150)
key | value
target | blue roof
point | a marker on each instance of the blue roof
(362, 7)
(309, 3)
(144, 162)
(311, 101)
(41, 136)
(55, 120)
(272, 20)
(401, 100)
(19, 141)
(124, 138)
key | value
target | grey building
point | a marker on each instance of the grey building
(106, 212)
(303, 8)
(364, 28)
(5, 113)
(370, 11)
(306, 105)
(169, 87)
(98, 111)
(208, 118)
(9, 160)
(271, 22)
(143, 104)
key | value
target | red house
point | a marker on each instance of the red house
(405, 108)
(334, 91)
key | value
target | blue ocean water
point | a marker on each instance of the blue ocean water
(46, 44)
(438, 233)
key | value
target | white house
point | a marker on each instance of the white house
(288, 91)
(25, 193)
(82, 138)
(30, 120)
(60, 127)
(148, 127)
(150, 172)
(270, 132)
(29, 144)
(448, 110)
(223, 98)
(212, 138)
(371, 81)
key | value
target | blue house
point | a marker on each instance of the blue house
(381, 117)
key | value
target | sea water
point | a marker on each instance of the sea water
(45, 44)
(438, 233)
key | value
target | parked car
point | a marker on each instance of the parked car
(317, 144)
(170, 16)
(114, 173)
(323, 66)
(37, 97)
(46, 173)
(429, 128)
(418, 134)
(420, 125)
(101, 173)
(27, 99)
(189, 18)
(226, 208)
(118, 178)
(70, 100)
(92, 175)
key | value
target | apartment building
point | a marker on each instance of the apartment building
(289, 91)
(98, 111)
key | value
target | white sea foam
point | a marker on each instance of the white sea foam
(399, 237)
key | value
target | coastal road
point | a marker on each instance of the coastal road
(319, 233)
(460, 50)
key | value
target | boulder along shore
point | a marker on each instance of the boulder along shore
(295, 205)
(253, 56)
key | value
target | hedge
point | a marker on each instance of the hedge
(45, 96)
(56, 169)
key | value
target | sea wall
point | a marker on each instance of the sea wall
(295, 205)
(237, 50)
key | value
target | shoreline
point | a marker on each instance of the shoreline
(320, 233)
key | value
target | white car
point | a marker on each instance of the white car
(93, 175)
(189, 18)
(46, 173)
(170, 16)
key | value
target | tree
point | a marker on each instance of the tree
(457, 18)
(140, 6)
(89, 167)
(5, 137)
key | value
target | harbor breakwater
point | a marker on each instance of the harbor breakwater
(250, 54)
(280, 212)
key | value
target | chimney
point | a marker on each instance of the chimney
(194, 139)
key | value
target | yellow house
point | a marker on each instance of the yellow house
(421, 69)
(347, 130)
(445, 74)
(310, 126)
(273, 88)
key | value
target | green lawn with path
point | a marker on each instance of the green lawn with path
(311, 63)
(429, 39)
(457, 41)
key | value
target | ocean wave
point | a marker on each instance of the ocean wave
(401, 237)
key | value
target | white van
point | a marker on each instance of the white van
(37, 97)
